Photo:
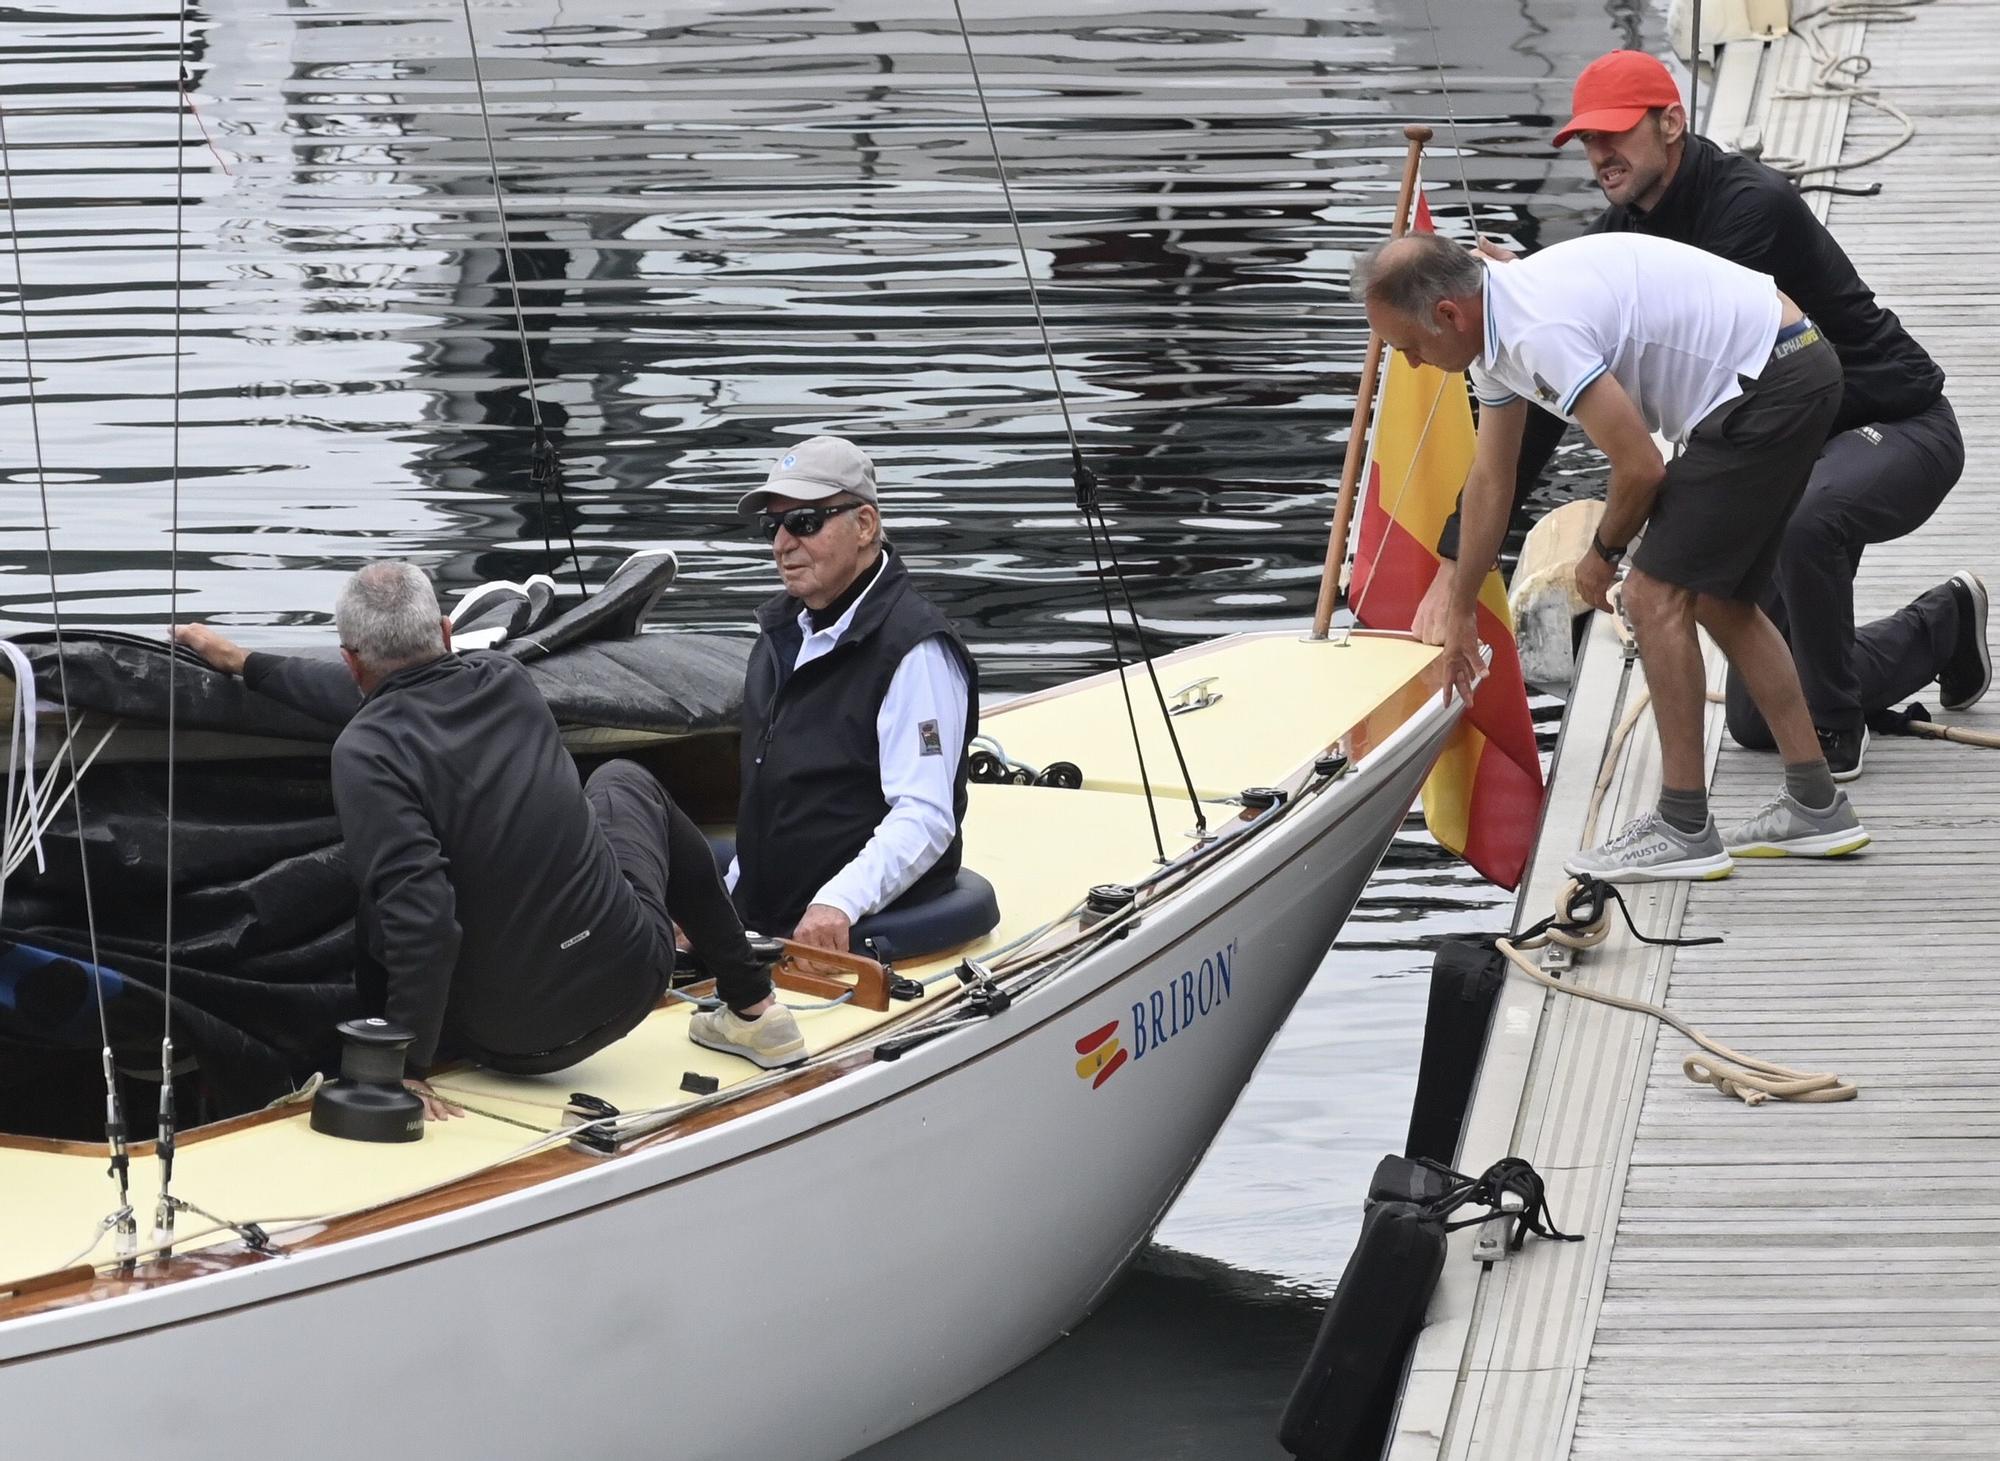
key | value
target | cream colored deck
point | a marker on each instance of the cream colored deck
(1041, 848)
(1242, 740)
(1786, 1281)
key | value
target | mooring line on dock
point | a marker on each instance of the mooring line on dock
(1733, 1073)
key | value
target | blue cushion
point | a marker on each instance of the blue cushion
(960, 914)
(956, 916)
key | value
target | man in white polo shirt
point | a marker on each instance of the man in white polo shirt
(1628, 335)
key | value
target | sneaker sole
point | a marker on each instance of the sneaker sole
(1978, 588)
(1706, 870)
(1826, 844)
(1853, 773)
(767, 1062)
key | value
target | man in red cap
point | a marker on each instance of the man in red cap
(1892, 455)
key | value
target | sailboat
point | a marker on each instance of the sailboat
(665, 1252)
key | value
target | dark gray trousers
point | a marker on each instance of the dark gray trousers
(670, 867)
(666, 862)
(1871, 485)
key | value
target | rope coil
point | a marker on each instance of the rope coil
(1749, 1079)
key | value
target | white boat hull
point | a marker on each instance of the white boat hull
(863, 1255)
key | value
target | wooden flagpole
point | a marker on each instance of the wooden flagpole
(1364, 408)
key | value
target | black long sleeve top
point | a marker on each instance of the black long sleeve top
(489, 899)
(1735, 206)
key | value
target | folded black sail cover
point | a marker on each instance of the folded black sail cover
(263, 908)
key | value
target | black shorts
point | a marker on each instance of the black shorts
(1720, 517)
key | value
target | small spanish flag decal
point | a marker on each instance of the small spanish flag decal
(1101, 1054)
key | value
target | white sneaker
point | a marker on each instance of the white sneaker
(1783, 827)
(772, 1040)
(1650, 849)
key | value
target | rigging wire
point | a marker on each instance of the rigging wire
(1451, 120)
(122, 1219)
(164, 1208)
(1086, 485)
(546, 465)
(1694, 70)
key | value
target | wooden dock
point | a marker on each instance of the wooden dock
(1781, 1281)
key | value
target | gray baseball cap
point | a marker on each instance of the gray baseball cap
(825, 466)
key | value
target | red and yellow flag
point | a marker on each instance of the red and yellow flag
(1484, 798)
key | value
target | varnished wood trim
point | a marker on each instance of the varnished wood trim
(78, 1275)
(807, 970)
(189, 1137)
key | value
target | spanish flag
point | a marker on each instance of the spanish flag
(1484, 798)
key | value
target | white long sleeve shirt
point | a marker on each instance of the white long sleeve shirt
(919, 737)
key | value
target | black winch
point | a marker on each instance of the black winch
(370, 1102)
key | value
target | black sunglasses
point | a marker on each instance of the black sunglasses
(800, 522)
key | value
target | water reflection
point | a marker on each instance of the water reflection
(1223, 1344)
(730, 229)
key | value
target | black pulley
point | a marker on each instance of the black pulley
(1065, 774)
(1262, 798)
(984, 766)
(1107, 898)
(370, 1102)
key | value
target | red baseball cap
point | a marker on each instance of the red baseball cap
(1615, 92)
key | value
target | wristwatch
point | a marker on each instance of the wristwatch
(1613, 556)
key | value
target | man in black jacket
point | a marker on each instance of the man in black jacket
(859, 705)
(509, 914)
(1894, 450)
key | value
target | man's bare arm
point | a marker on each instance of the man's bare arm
(1616, 428)
(1483, 509)
(1488, 496)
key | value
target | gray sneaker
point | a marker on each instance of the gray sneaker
(772, 1040)
(1650, 849)
(1784, 828)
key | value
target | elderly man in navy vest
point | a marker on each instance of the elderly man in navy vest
(858, 708)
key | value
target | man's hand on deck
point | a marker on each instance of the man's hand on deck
(436, 1107)
(219, 653)
(1460, 663)
(1495, 251)
(823, 928)
(1593, 580)
(1435, 609)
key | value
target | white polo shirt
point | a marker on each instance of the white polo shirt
(1676, 327)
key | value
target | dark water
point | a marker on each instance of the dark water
(735, 225)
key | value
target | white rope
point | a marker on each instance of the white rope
(22, 807)
(1837, 76)
(1751, 1080)
(25, 836)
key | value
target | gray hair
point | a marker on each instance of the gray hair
(387, 615)
(1414, 274)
